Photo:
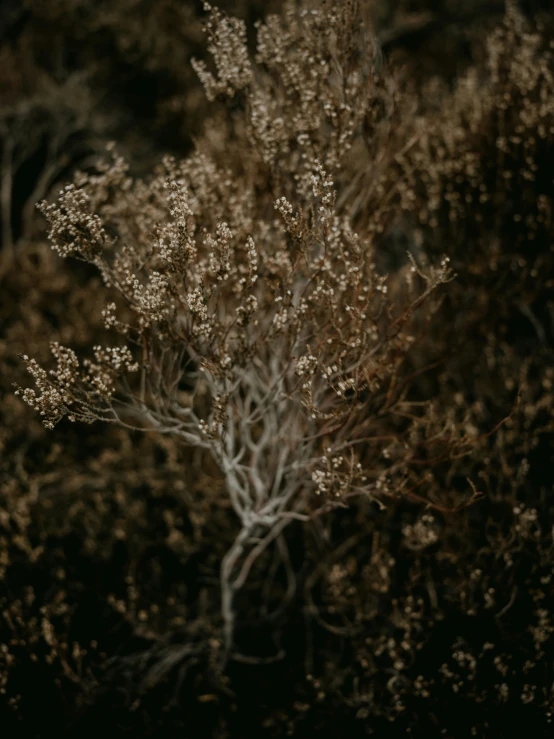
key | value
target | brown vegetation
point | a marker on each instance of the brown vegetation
(320, 338)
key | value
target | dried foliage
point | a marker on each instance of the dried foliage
(279, 324)
(322, 340)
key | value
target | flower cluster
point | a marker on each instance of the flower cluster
(227, 43)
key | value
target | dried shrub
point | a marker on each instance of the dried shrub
(279, 324)
(384, 604)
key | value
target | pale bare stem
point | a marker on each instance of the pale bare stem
(253, 526)
(227, 590)
(259, 490)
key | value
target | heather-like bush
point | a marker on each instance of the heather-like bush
(324, 496)
(255, 324)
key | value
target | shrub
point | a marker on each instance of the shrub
(255, 326)
(401, 610)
